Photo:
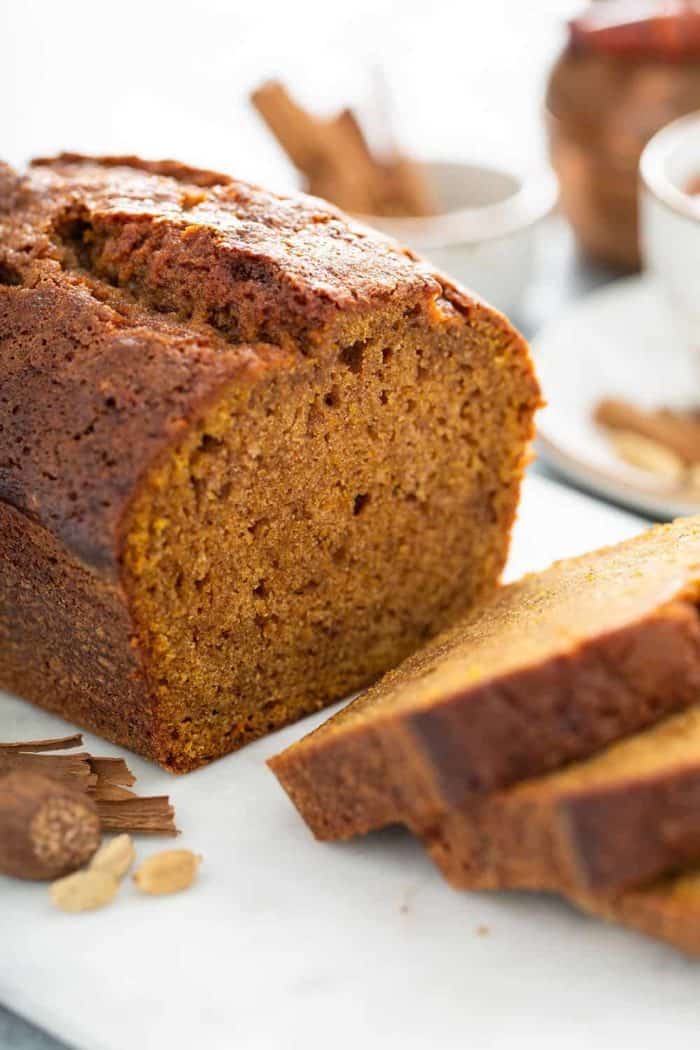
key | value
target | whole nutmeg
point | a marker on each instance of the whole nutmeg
(47, 829)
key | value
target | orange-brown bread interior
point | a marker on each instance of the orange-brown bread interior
(320, 526)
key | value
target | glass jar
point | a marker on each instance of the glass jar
(629, 68)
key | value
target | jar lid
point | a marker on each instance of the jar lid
(667, 30)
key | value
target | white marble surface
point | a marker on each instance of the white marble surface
(286, 943)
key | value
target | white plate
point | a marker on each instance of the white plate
(285, 943)
(616, 342)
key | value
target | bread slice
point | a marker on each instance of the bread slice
(545, 671)
(668, 909)
(617, 820)
(251, 454)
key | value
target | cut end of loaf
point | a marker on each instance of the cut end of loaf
(322, 521)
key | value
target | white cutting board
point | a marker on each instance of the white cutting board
(285, 943)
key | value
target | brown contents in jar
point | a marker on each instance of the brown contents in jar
(627, 71)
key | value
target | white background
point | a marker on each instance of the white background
(171, 78)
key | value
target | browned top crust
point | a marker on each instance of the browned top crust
(131, 292)
(262, 264)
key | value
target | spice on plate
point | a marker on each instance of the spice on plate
(664, 442)
(645, 454)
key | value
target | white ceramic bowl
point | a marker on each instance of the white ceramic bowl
(670, 220)
(483, 234)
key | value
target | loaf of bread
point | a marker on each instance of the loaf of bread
(545, 671)
(251, 454)
(618, 820)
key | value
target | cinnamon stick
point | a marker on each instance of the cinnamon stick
(332, 154)
(121, 809)
(105, 791)
(296, 131)
(69, 769)
(409, 192)
(34, 746)
(336, 160)
(149, 815)
(114, 769)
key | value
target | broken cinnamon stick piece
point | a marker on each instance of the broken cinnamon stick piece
(35, 746)
(152, 816)
(68, 769)
(112, 769)
(106, 791)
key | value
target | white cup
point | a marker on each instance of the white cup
(483, 234)
(670, 222)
